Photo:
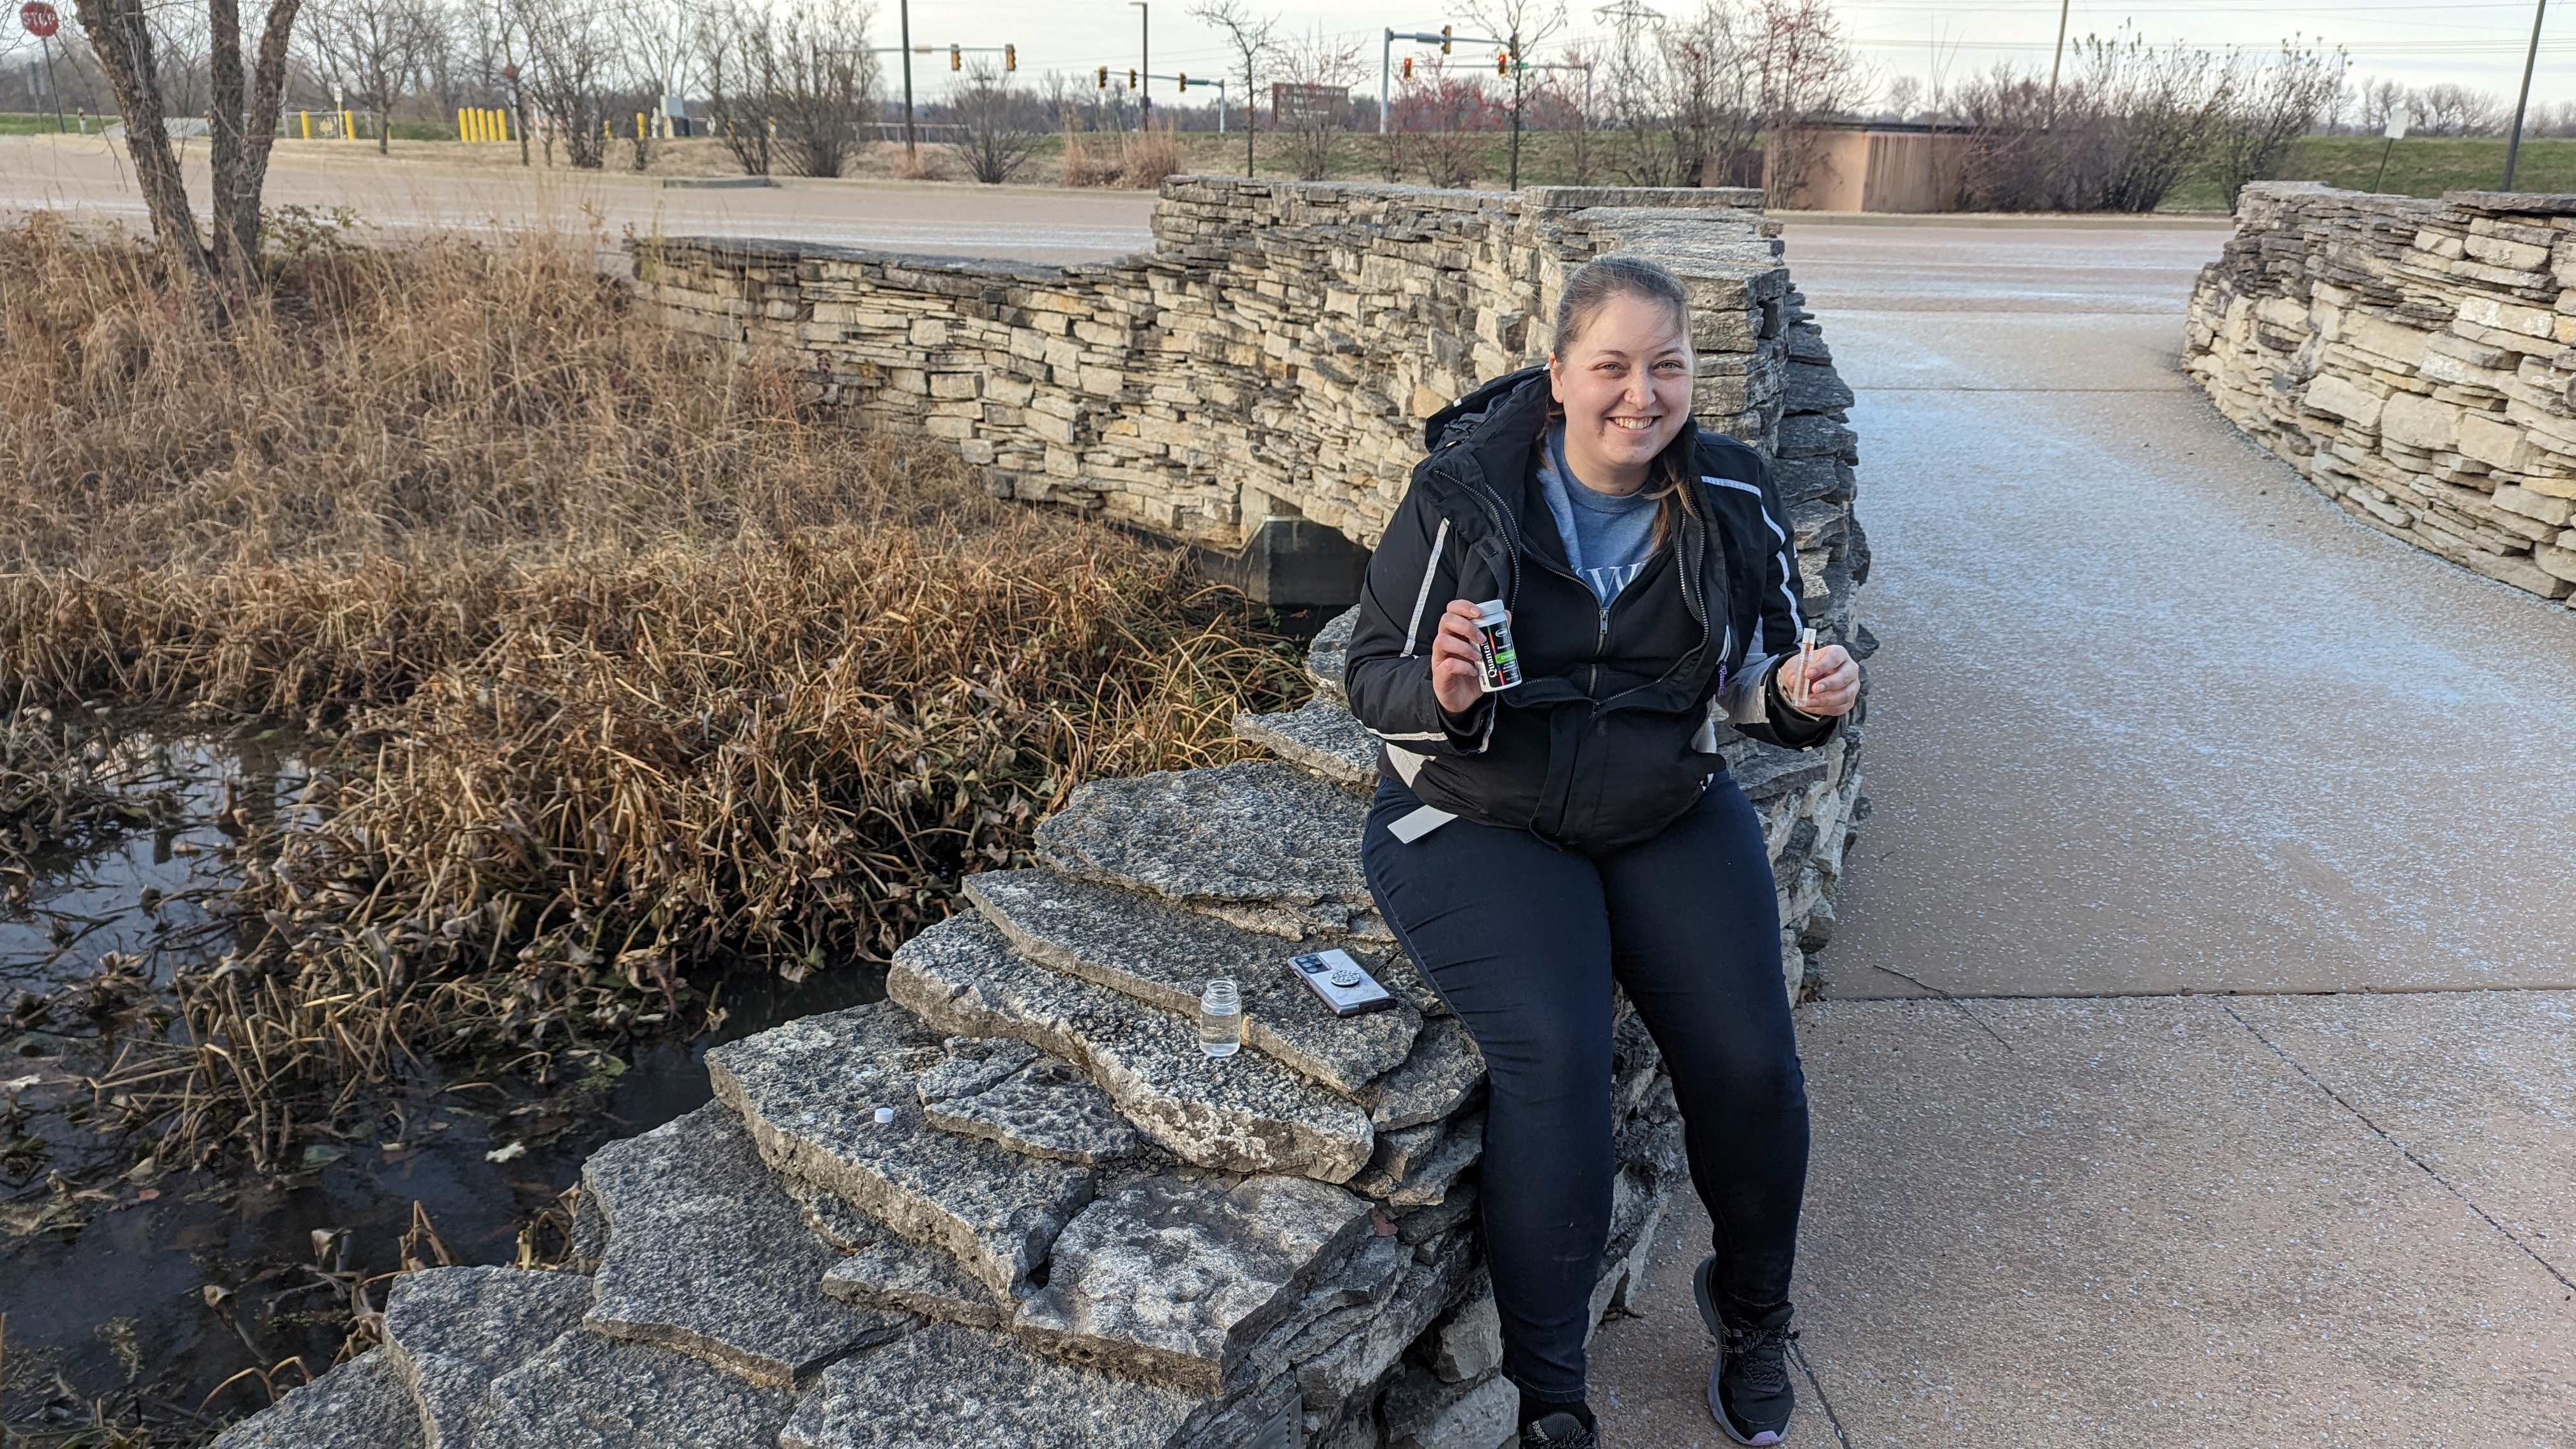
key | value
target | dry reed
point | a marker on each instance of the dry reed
(630, 667)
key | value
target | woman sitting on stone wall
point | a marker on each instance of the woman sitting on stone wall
(1533, 843)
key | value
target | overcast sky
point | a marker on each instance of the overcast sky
(2474, 42)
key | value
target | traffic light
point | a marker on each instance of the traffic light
(1184, 87)
(1104, 78)
(1444, 40)
(956, 58)
(1131, 77)
(1408, 67)
(1010, 57)
(1502, 62)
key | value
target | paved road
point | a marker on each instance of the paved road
(2154, 718)
(88, 177)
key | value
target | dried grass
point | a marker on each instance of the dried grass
(633, 667)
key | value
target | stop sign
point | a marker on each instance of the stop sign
(39, 18)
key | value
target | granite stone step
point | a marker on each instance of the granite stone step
(586, 1391)
(1259, 843)
(362, 1404)
(1322, 737)
(951, 1385)
(1176, 1276)
(1243, 1113)
(1165, 957)
(1444, 1072)
(876, 1267)
(810, 1090)
(449, 1332)
(709, 1255)
(1004, 1090)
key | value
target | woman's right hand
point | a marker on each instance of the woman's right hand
(1457, 677)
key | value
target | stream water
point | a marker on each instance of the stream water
(186, 1300)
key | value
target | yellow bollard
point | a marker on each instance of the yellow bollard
(348, 132)
(461, 133)
(639, 125)
(307, 118)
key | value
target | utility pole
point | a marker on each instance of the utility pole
(2513, 148)
(911, 143)
(2060, 61)
(1145, 53)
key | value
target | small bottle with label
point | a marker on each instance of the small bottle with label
(1498, 662)
(1221, 1018)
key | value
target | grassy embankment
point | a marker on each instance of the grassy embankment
(628, 667)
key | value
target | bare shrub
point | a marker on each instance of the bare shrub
(573, 58)
(1150, 157)
(2275, 104)
(1087, 162)
(2118, 135)
(1803, 70)
(737, 57)
(1444, 121)
(998, 125)
(627, 664)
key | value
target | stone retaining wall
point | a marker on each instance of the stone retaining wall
(2413, 359)
(1273, 355)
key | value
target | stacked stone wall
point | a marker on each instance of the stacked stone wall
(2416, 360)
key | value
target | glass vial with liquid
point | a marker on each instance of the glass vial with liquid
(1221, 1018)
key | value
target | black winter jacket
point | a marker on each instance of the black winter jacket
(1609, 737)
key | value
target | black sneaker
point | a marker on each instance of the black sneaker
(1558, 1431)
(1749, 1391)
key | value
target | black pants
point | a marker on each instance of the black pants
(1523, 939)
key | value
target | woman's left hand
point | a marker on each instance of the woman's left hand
(1828, 685)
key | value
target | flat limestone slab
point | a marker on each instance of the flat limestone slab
(1241, 1114)
(1323, 737)
(584, 1391)
(451, 1331)
(809, 1091)
(1444, 1071)
(362, 1404)
(2124, 1222)
(709, 1255)
(948, 1385)
(1007, 1091)
(1166, 956)
(879, 1268)
(1174, 1277)
(1260, 843)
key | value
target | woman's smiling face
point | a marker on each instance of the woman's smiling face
(1625, 385)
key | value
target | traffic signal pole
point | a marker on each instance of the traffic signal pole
(911, 143)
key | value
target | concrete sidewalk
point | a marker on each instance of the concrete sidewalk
(2167, 1220)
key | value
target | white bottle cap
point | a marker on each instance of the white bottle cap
(885, 1115)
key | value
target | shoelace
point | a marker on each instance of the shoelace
(1763, 1353)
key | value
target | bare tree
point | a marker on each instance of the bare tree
(371, 52)
(2274, 107)
(737, 54)
(1904, 96)
(823, 85)
(572, 60)
(1526, 25)
(1443, 122)
(2450, 109)
(1803, 69)
(1318, 65)
(241, 119)
(998, 126)
(1713, 92)
(1254, 39)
